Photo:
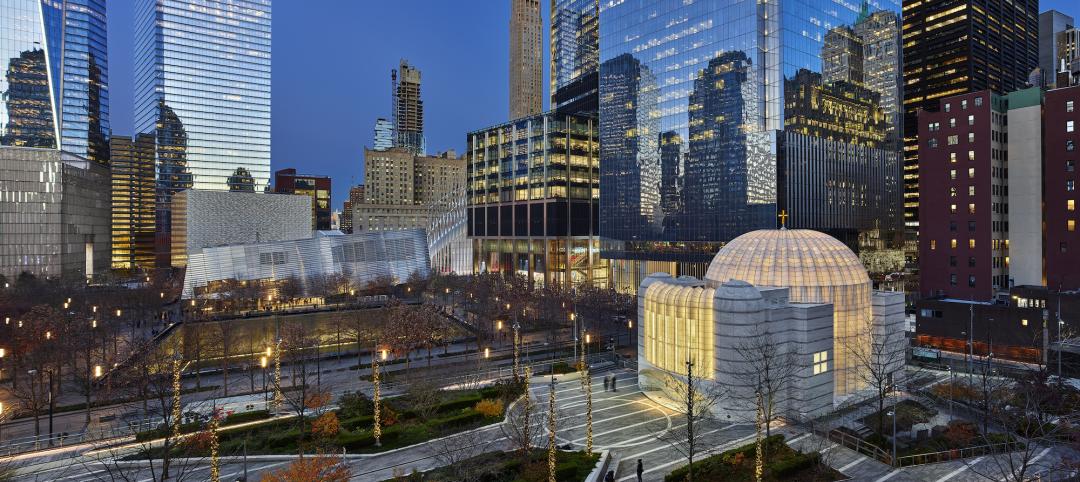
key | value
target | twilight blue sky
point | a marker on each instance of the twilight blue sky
(331, 74)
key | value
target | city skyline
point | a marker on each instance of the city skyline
(357, 92)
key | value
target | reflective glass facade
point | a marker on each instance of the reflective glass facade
(202, 85)
(55, 79)
(575, 53)
(694, 103)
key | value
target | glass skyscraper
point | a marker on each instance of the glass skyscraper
(202, 86)
(575, 51)
(694, 109)
(56, 76)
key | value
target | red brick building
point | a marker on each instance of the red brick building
(962, 211)
(1061, 184)
(318, 187)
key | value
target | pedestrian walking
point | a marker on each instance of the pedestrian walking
(610, 477)
(613, 384)
(607, 382)
(640, 470)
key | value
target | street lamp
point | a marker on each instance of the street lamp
(893, 414)
(97, 371)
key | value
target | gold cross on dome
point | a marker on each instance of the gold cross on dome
(783, 218)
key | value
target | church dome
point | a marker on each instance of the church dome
(816, 268)
(787, 258)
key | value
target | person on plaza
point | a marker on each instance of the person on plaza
(640, 469)
(613, 383)
(607, 381)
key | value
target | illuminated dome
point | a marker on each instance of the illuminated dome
(816, 267)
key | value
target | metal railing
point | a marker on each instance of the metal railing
(956, 454)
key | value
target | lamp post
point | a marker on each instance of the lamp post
(517, 350)
(893, 414)
(573, 319)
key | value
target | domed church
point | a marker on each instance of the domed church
(803, 291)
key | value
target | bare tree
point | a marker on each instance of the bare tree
(296, 350)
(695, 403)
(524, 420)
(424, 397)
(876, 355)
(1036, 417)
(770, 368)
(453, 451)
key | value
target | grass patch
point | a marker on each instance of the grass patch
(737, 465)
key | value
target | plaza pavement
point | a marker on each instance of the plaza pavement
(625, 422)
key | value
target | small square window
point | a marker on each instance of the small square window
(971, 172)
(952, 279)
(1070, 166)
(1063, 247)
(952, 157)
(952, 192)
(952, 122)
(948, 107)
(971, 137)
(952, 261)
(952, 173)
(978, 101)
(952, 243)
(1071, 225)
(932, 143)
(1070, 185)
(952, 208)
(1070, 145)
(963, 104)
(971, 243)
(1070, 126)
(1069, 106)
(971, 281)
(821, 362)
(971, 120)
(971, 190)
(933, 244)
(953, 140)
(1070, 205)
(971, 155)
(971, 208)
(1023, 322)
(971, 261)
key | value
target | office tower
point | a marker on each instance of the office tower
(356, 196)
(401, 189)
(879, 33)
(575, 54)
(133, 194)
(955, 47)
(408, 108)
(174, 77)
(55, 212)
(56, 77)
(963, 243)
(526, 59)
(287, 181)
(384, 135)
(694, 129)
(1051, 24)
(1068, 57)
(201, 144)
(538, 217)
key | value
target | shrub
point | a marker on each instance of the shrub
(789, 466)
(388, 417)
(458, 420)
(489, 408)
(354, 404)
(325, 426)
(244, 417)
(458, 403)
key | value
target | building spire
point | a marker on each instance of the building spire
(864, 11)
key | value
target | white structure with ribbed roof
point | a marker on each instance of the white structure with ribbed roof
(807, 290)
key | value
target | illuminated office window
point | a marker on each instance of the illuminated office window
(821, 362)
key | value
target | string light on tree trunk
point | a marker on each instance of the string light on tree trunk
(525, 410)
(551, 432)
(588, 412)
(760, 459)
(279, 398)
(215, 463)
(376, 430)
